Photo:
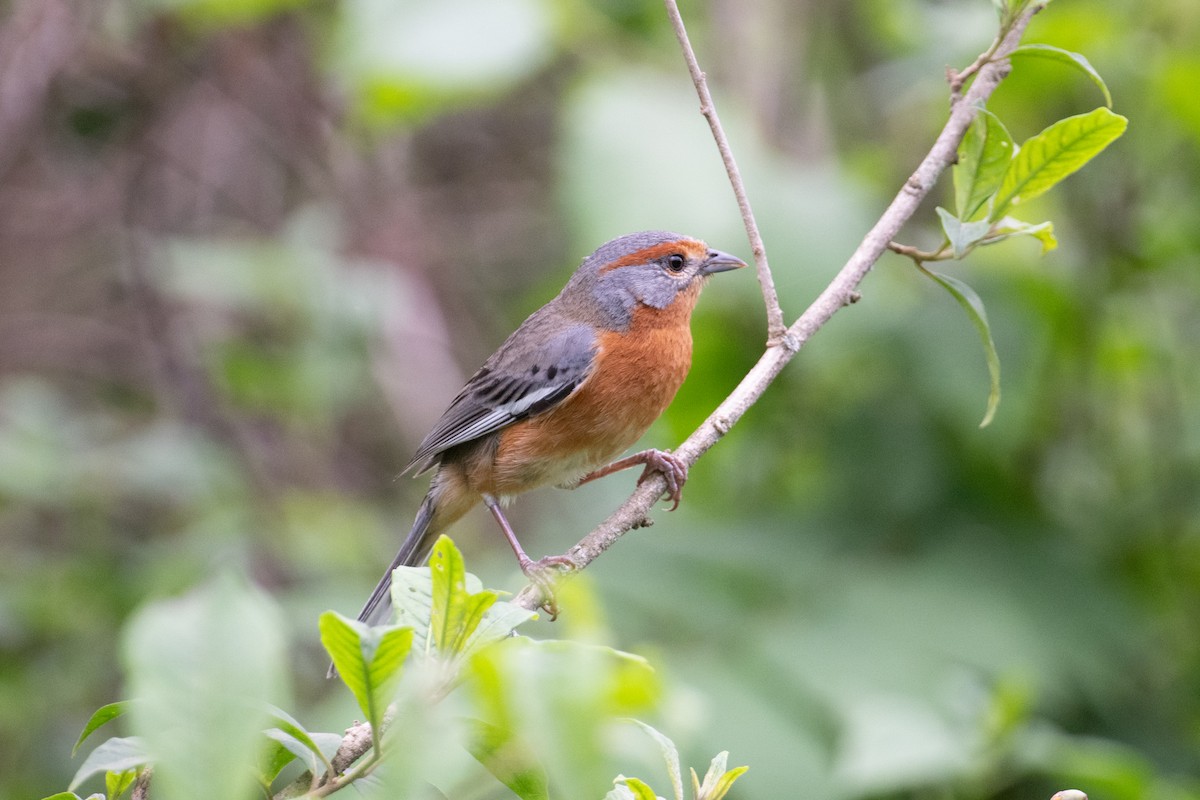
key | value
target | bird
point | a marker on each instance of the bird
(577, 384)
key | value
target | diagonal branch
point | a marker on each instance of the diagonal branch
(841, 291)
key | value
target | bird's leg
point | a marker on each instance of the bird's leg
(536, 571)
(672, 468)
(528, 565)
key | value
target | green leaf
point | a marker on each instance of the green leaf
(204, 667)
(670, 755)
(63, 796)
(498, 623)
(717, 780)
(412, 603)
(1055, 153)
(272, 758)
(117, 783)
(456, 613)
(288, 725)
(1057, 54)
(368, 659)
(114, 755)
(716, 769)
(561, 696)
(509, 760)
(469, 618)
(983, 158)
(412, 599)
(342, 639)
(970, 302)
(316, 759)
(962, 235)
(103, 715)
(725, 783)
(1009, 227)
(638, 790)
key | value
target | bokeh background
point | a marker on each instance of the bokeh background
(249, 249)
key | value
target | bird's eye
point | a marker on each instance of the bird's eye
(675, 262)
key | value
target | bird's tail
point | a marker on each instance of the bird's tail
(447, 501)
(412, 553)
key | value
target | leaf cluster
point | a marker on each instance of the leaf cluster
(448, 634)
(993, 176)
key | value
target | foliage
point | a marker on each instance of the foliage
(475, 651)
(991, 176)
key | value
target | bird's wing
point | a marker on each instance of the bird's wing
(539, 366)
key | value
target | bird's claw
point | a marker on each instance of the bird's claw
(532, 568)
(543, 573)
(550, 605)
(673, 470)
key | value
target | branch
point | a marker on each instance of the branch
(356, 743)
(141, 786)
(989, 70)
(775, 326)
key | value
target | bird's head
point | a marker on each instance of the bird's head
(650, 268)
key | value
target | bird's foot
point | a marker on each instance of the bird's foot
(548, 563)
(544, 573)
(672, 468)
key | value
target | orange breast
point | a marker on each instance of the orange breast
(636, 376)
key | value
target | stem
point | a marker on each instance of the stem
(919, 256)
(775, 325)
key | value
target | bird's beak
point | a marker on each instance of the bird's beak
(720, 262)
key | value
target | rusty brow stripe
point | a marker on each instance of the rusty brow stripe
(690, 246)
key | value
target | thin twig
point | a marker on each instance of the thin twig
(775, 325)
(920, 256)
(840, 292)
(958, 79)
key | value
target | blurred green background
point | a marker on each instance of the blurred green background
(249, 250)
